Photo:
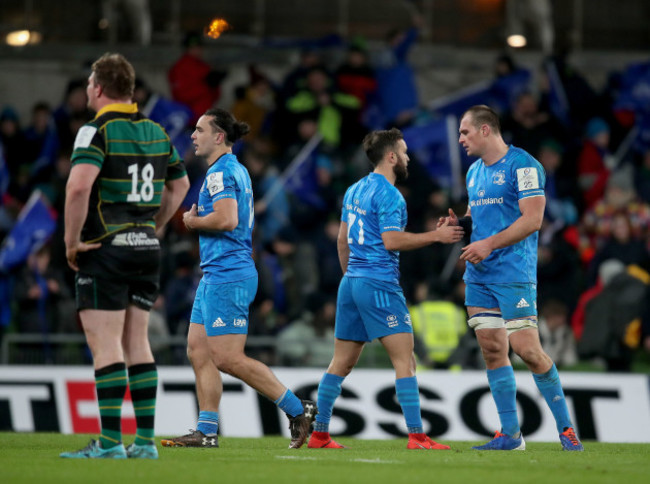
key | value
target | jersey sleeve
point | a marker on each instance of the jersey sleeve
(529, 177)
(346, 207)
(220, 184)
(175, 166)
(389, 211)
(89, 146)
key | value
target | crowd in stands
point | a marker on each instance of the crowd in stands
(594, 253)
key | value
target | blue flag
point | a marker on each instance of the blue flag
(557, 98)
(498, 94)
(36, 222)
(49, 152)
(435, 145)
(635, 89)
(172, 116)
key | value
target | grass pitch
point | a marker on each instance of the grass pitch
(34, 458)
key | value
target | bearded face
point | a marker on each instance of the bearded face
(401, 167)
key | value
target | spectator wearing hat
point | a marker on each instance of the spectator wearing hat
(594, 162)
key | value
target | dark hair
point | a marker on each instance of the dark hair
(222, 120)
(192, 39)
(376, 143)
(482, 114)
(116, 76)
(41, 106)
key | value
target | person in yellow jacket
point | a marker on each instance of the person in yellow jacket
(438, 327)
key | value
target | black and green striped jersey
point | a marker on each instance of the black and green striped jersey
(135, 157)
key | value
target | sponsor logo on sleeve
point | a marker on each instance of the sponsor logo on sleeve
(84, 136)
(214, 183)
(527, 179)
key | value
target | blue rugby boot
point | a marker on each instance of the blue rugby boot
(570, 440)
(94, 451)
(149, 451)
(503, 442)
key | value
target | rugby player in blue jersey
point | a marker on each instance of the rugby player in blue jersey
(505, 188)
(370, 300)
(219, 322)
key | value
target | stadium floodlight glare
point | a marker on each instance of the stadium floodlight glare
(19, 38)
(516, 41)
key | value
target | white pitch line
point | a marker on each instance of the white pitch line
(365, 461)
(377, 461)
(295, 457)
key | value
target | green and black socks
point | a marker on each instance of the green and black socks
(143, 382)
(111, 383)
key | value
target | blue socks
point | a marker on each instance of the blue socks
(208, 423)
(504, 390)
(408, 397)
(289, 403)
(328, 391)
(551, 388)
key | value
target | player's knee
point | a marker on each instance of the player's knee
(493, 352)
(198, 356)
(341, 367)
(230, 363)
(533, 357)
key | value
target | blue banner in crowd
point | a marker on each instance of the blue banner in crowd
(635, 89)
(48, 155)
(430, 145)
(634, 95)
(36, 222)
(174, 117)
(498, 94)
(558, 101)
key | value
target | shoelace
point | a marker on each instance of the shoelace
(89, 447)
(572, 436)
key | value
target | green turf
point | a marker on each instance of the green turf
(34, 458)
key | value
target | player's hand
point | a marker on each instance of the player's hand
(476, 251)
(189, 216)
(449, 234)
(452, 219)
(72, 251)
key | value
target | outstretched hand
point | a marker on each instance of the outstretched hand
(451, 219)
(447, 233)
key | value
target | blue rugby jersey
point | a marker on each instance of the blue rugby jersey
(494, 193)
(370, 207)
(227, 256)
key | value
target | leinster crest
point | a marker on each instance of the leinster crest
(499, 177)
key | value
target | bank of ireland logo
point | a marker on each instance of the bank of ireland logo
(391, 319)
(481, 193)
(499, 177)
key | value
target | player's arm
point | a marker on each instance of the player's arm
(77, 194)
(343, 247)
(397, 240)
(172, 196)
(530, 221)
(224, 217)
